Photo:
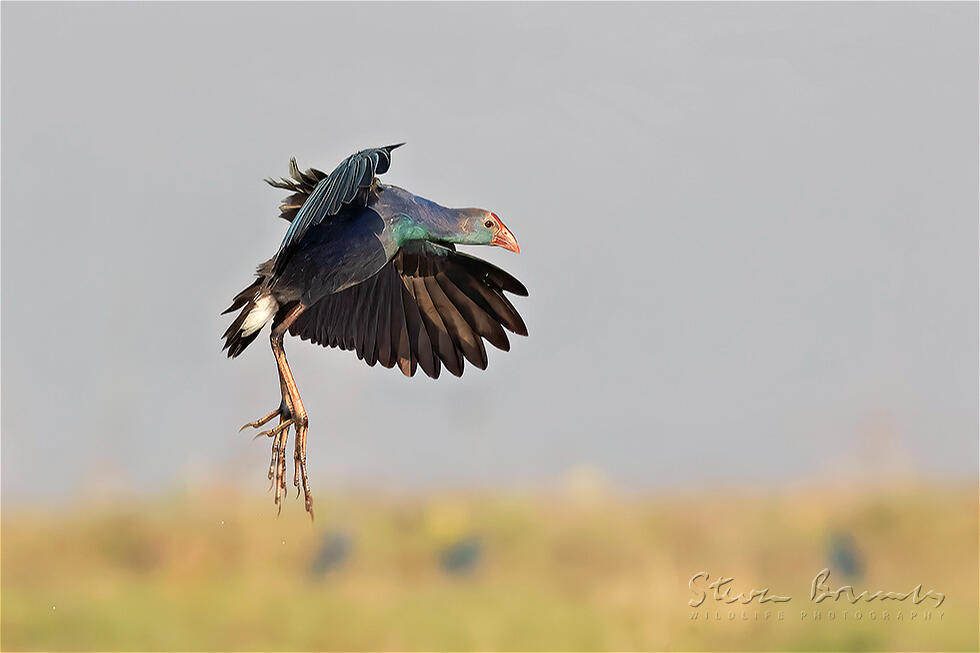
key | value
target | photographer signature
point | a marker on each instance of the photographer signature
(820, 590)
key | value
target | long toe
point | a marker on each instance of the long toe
(262, 421)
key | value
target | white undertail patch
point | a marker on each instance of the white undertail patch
(265, 307)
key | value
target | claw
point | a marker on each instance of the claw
(262, 421)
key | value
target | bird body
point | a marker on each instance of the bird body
(373, 268)
(359, 240)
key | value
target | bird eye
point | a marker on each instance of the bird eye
(488, 224)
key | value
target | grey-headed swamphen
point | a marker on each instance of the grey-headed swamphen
(372, 268)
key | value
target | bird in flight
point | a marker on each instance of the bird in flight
(372, 268)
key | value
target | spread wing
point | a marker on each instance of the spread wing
(328, 195)
(429, 307)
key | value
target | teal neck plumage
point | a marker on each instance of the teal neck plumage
(412, 218)
(405, 230)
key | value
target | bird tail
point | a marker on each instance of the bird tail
(257, 305)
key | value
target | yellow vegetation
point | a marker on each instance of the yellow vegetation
(214, 570)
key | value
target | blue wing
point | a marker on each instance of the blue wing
(332, 192)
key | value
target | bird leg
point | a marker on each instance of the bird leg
(278, 433)
(297, 411)
(291, 413)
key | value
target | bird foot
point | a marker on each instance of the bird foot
(282, 412)
(277, 465)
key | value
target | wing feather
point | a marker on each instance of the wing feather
(330, 193)
(371, 325)
(400, 346)
(442, 343)
(429, 307)
(385, 356)
(465, 340)
(418, 335)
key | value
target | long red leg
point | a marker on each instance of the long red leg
(297, 410)
(291, 413)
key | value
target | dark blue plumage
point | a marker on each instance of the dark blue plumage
(354, 173)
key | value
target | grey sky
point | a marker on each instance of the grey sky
(749, 232)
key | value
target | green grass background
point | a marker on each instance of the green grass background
(587, 570)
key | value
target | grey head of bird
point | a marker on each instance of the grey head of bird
(482, 227)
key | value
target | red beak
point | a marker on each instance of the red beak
(505, 239)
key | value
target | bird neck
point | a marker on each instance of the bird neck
(405, 230)
(415, 218)
(442, 226)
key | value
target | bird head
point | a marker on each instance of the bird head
(485, 228)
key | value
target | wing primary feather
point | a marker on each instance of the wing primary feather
(400, 347)
(345, 323)
(467, 341)
(474, 314)
(364, 297)
(438, 340)
(324, 330)
(490, 300)
(516, 322)
(439, 336)
(371, 325)
(418, 336)
(484, 270)
(384, 337)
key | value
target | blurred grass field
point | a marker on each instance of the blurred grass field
(215, 570)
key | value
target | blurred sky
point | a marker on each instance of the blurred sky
(749, 232)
